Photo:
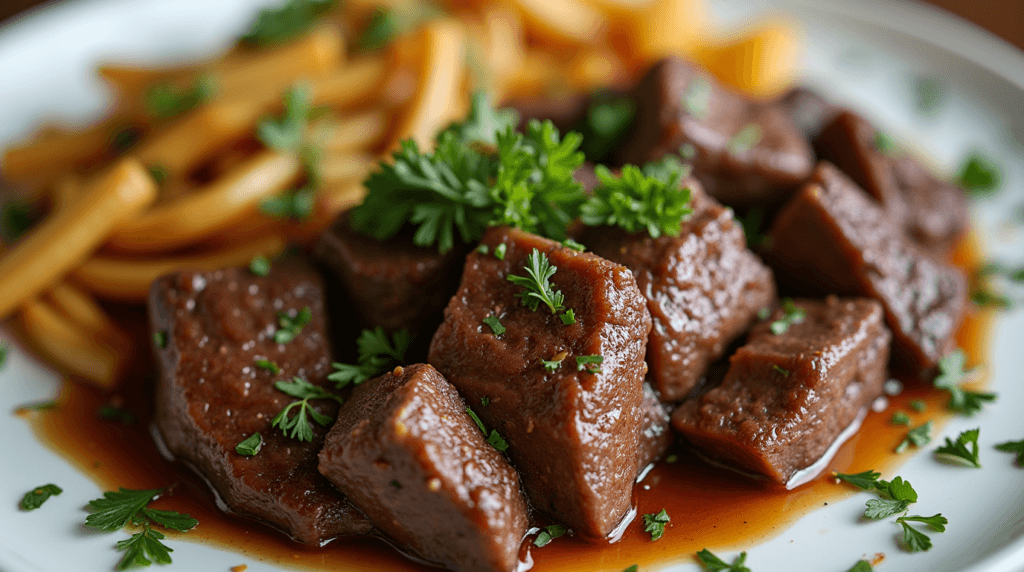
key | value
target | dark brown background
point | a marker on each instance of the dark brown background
(1002, 17)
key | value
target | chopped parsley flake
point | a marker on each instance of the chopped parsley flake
(250, 445)
(549, 533)
(979, 175)
(712, 563)
(500, 250)
(494, 438)
(485, 401)
(589, 363)
(1013, 447)
(289, 327)
(655, 524)
(569, 317)
(884, 143)
(791, 314)
(929, 94)
(570, 243)
(259, 265)
(555, 362)
(918, 405)
(377, 354)
(918, 436)
(117, 415)
(37, 496)
(861, 566)
(951, 374)
(780, 369)
(745, 139)
(160, 339)
(963, 451)
(268, 365)
(495, 325)
(900, 418)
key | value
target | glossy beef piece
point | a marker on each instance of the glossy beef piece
(762, 173)
(703, 289)
(211, 395)
(410, 457)
(808, 110)
(832, 238)
(655, 433)
(392, 283)
(933, 213)
(572, 435)
(564, 111)
(788, 397)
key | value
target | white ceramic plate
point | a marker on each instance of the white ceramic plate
(865, 52)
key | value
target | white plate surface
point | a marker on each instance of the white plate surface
(866, 53)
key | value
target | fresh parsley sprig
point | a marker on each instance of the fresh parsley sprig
(655, 524)
(117, 509)
(376, 354)
(37, 496)
(300, 426)
(951, 375)
(964, 451)
(291, 326)
(914, 540)
(537, 284)
(290, 20)
(1013, 447)
(712, 563)
(918, 436)
(650, 199)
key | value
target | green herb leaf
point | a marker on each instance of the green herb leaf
(116, 509)
(117, 415)
(712, 563)
(500, 250)
(493, 437)
(164, 101)
(589, 363)
(1013, 447)
(918, 436)
(280, 24)
(936, 522)
(929, 94)
(485, 401)
(861, 566)
(287, 132)
(979, 175)
(377, 354)
(951, 374)
(171, 519)
(884, 143)
(160, 339)
(958, 451)
(655, 524)
(900, 418)
(300, 426)
(37, 496)
(569, 317)
(899, 489)
(4, 350)
(381, 29)
(918, 405)
(867, 480)
(915, 540)
(792, 314)
(638, 201)
(268, 365)
(549, 533)
(633, 568)
(570, 243)
(605, 125)
(537, 285)
(986, 298)
(881, 508)
(780, 369)
(697, 98)
(289, 327)
(554, 363)
(745, 139)
(159, 174)
(142, 549)
(482, 124)
(250, 445)
(259, 265)
(495, 325)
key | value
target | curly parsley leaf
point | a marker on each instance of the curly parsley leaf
(916, 541)
(951, 374)
(979, 175)
(918, 436)
(482, 124)
(1013, 447)
(377, 354)
(655, 524)
(164, 101)
(653, 201)
(549, 533)
(37, 496)
(300, 425)
(291, 326)
(283, 23)
(712, 563)
(963, 451)
(143, 548)
(537, 284)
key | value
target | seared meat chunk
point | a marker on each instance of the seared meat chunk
(808, 110)
(211, 394)
(410, 457)
(744, 152)
(931, 212)
(655, 434)
(703, 289)
(573, 428)
(789, 396)
(392, 283)
(832, 238)
(564, 111)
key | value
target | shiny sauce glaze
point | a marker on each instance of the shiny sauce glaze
(710, 507)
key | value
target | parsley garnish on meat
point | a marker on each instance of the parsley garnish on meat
(160, 339)
(979, 175)
(117, 509)
(495, 325)
(861, 566)
(377, 354)
(259, 266)
(572, 244)
(300, 425)
(605, 124)
(569, 317)
(697, 98)
(289, 327)
(37, 496)
(791, 314)
(963, 451)
(537, 285)
(745, 139)
(164, 101)
(500, 250)
(556, 361)
(590, 364)
(951, 374)
(884, 143)
(712, 563)
(549, 533)
(655, 524)
(290, 20)
(250, 445)
(268, 365)
(1013, 447)
(918, 436)
(493, 437)
(648, 199)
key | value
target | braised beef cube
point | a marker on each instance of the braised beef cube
(832, 237)
(743, 152)
(655, 434)
(703, 289)
(931, 212)
(789, 396)
(564, 111)
(409, 456)
(808, 110)
(393, 283)
(572, 425)
(212, 329)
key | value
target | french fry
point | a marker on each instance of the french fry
(356, 132)
(537, 74)
(596, 68)
(668, 27)
(351, 85)
(128, 279)
(763, 62)
(562, 22)
(439, 98)
(79, 307)
(72, 347)
(345, 168)
(55, 152)
(194, 216)
(66, 190)
(65, 239)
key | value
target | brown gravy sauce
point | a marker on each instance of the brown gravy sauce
(709, 507)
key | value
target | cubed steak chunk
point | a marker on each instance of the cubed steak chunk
(391, 283)
(656, 435)
(703, 289)
(788, 397)
(210, 330)
(930, 211)
(832, 238)
(572, 425)
(407, 453)
(743, 152)
(808, 109)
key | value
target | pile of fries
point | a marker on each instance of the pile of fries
(186, 192)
